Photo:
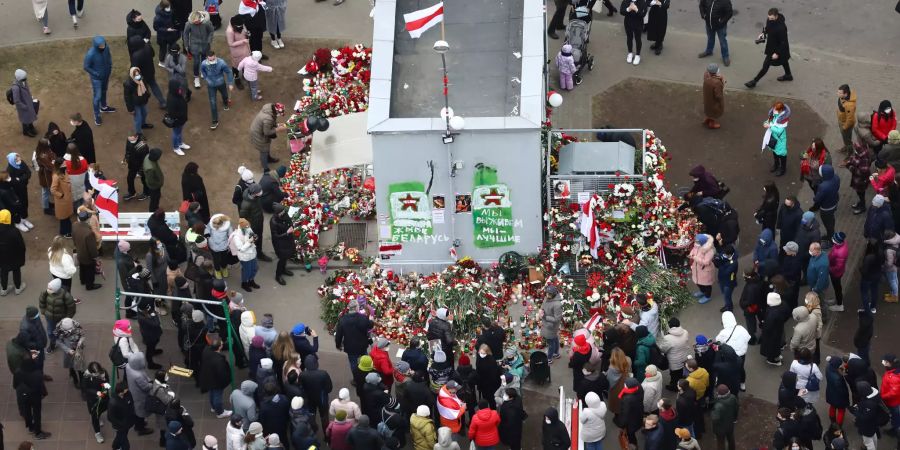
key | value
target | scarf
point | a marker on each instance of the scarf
(141, 88)
(628, 390)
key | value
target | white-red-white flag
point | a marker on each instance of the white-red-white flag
(107, 200)
(418, 22)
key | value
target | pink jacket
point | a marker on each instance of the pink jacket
(837, 259)
(238, 44)
(565, 64)
(251, 68)
(702, 269)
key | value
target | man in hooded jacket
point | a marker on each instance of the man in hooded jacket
(243, 404)
(316, 386)
(98, 65)
(283, 242)
(826, 198)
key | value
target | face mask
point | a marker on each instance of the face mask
(167, 379)
(482, 354)
(71, 123)
(211, 61)
(137, 78)
(884, 363)
(547, 421)
(762, 242)
(888, 110)
(167, 9)
(55, 132)
(696, 179)
(586, 372)
(505, 398)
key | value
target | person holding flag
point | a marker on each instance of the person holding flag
(450, 407)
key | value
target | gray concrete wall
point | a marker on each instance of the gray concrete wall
(515, 155)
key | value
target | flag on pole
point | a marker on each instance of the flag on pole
(107, 200)
(418, 22)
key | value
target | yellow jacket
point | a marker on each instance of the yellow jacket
(422, 431)
(847, 118)
(699, 381)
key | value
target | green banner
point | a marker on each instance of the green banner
(410, 211)
(491, 211)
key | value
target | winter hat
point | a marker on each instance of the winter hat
(791, 247)
(894, 137)
(21, 75)
(440, 356)
(838, 238)
(423, 411)
(552, 290)
(277, 208)
(452, 384)
(401, 366)
(254, 189)
(265, 363)
(712, 68)
(174, 426)
(808, 216)
(509, 353)
(838, 444)
(365, 363)
(54, 285)
(246, 174)
(296, 402)
(257, 341)
(124, 246)
(632, 383)
(373, 378)
(256, 55)
(340, 415)
(382, 343)
(773, 299)
(581, 345)
(123, 326)
(67, 324)
(344, 394)
(651, 371)
(441, 313)
(722, 390)
(255, 428)
(197, 316)
(83, 216)
(463, 359)
(281, 171)
(701, 339)
(683, 433)
(155, 154)
(878, 201)
(268, 321)
(219, 284)
(210, 442)
(889, 358)
(567, 49)
(702, 239)
(299, 329)
(391, 403)
(641, 331)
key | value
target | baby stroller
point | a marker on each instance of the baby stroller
(578, 34)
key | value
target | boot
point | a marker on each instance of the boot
(252, 283)
(218, 274)
(280, 280)
(225, 272)
(288, 272)
(750, 84)
(238, 84)
(658, 49)
(714, 125)
(246, 287)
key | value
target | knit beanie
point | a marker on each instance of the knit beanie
(255, 428)
(54, 285)
(265, 363)
(256, 55)
(210, 442)
(382, 343)
(296, 402)
(67, 324)
(423, 411)
(340, 415)
(344, 394)
(21, 75)
(124, 246)
(197, 316)
(373, 378)
(246, 174)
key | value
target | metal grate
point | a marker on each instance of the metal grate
(352, 235)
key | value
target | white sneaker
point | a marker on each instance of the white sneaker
(280, 43)
(836, 308)
(161, 65)
(275, 43)
(197, 83)
(629, 58)
(80, 12)
(178, 151)
(28, 223)
(185, 146)
(4, 292)
(98, 437)
(74, 22)
(22, 228)
(637, 59)
(225, 413)
(21, 289)
(873, 311)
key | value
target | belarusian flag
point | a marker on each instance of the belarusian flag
(418, 22)
(107, 200)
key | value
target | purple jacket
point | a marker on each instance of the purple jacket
(566, 64)
(837, 260)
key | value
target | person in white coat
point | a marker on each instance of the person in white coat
(243, 245)
(220, 230)
(247, 330)
(343, 403)
(804, 367)
(593, 422)
(234, 433)
(652, 386)
(738, 338)
(62, 264)
(677, 346)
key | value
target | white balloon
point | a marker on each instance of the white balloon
(457, 123)
(555, 99)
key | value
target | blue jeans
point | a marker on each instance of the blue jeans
(248, 270)
(868, 293)
(723, 41)
(892, 281)
(354, 361)
(215, 400)
(73, 9)
(552, 347)
(45, 198)
(51, 325)
(157, 92)
(254, 89)
(140, 117)
(727, 290)
(198, 59)
(223, 89)
(99, 87)
(593, 445)
(176, 136)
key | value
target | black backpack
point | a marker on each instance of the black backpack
(539, 367)
(658, 358)
(810, 424)
(9, 97)
(116, 356)
(156, 405)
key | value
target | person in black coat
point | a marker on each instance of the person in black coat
(727, 369)
(19, 175)
(175, 437)
(193, 189)
(164, 25)
(440, 328)
(493, 336)
(753, 302)
(788, 222)
(302, 345)
(657, 22)
(489, 373)
(352, 336)
(788, 394)
(837, 393)
(196, 342)
(317, 386)
(777, 313)
(554, 435)
(715, 15)
(136, 149)
(177, 111)
(28, 383)
(215, 374)
(57, 138)
(160, 231)
(176, 412)
(136, 26)
(417, 392)
(631, 413)
(634, 12)
(788, 428)
(686, 405)
(767, 213)
(271, 188)
(143, 57)
(777, 51)
(83, 138)
(592, 380)
(512, 418)
(865, 329)
(12, 247)
(867, 410)
(283, 242)
(859, 370)
(121, 415)
(275, 413)
(32, 334)
(364, 437)
(151, 333)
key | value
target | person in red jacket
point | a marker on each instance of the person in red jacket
(483, 429)
(890, 388)
(382, 361)
(883, 121)
(883, 177)
(837, 265)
